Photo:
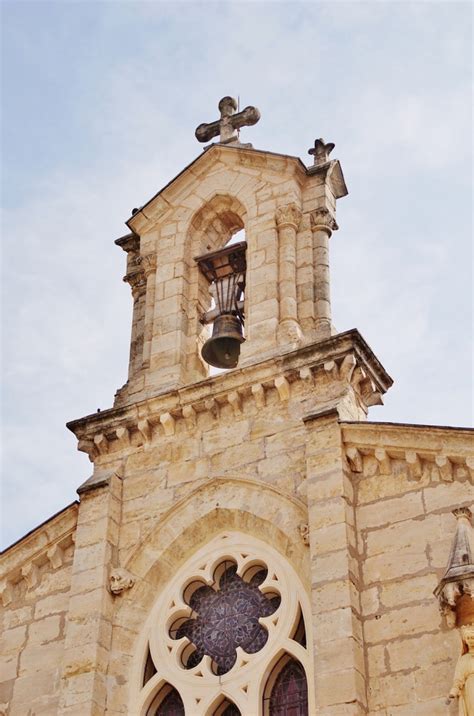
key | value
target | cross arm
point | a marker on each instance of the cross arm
(206, 132)
(246, 118)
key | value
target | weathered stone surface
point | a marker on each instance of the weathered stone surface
(276, 452)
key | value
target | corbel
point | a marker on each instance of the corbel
(55, 556)
(258, 392)
(414, 464)
(168, 423)
(6, 592)
(383, 460)
(331, 369)
(470, 466)
(30, 574)
(212, 407)
(234, 400)
(306, 374)
(283, 387)
(88, 446)
(101, 444)
(369, 393)
(123, 437)
(347, 367)
(445, 467)
(358, 376)
(354, 459)
(189, 415)
(145, 429)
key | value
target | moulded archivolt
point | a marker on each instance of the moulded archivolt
(243, 684)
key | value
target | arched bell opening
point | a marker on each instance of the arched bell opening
(286, 690)
(217, 227)
(225, 272)
(167, 702)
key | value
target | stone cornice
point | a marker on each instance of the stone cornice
(426, 450)
(344, 359)
(45, 544)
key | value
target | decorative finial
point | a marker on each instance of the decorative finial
(229, 123)
(321, 151)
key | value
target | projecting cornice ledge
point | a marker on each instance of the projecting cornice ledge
(424, 453)
(345, 361)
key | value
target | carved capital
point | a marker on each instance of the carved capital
(120, 580)
(323, 220)
(149, 264)
(289, 215)
(462, 512)
(137, 282)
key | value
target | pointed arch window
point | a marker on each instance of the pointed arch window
(289, 693)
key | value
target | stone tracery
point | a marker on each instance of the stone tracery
(223, 624)
(227, 618)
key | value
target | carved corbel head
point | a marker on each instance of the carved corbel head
(120, 580)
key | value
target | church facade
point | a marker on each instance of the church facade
(248, 542)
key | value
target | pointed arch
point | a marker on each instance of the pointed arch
(271, 515)
(211, 228)
(167, 702)
(223, 706)
(286, 689)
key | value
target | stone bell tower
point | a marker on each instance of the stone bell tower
(248, 544)
(288, 213)
(230, 445)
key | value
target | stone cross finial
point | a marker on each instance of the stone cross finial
(321, 151)
(229, 123)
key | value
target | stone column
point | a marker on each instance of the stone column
(322, 226)
(89, 620)
(338, 651)
(138, 285)
(288, 219)
(149, 269)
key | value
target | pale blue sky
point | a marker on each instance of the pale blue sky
(100, 104)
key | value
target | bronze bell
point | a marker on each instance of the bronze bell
(222, 349)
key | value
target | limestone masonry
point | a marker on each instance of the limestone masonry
(248, 543)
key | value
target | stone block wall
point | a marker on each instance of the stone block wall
(404, 494)
(35, 600)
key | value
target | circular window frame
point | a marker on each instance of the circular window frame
(244, 683)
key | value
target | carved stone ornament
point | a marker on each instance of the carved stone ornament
(120, 580)
(304, 532)
(463, 682)
(149, 263)
(288, 215)
(458, 580)
(321, 151)
(323, 219)
(137, 282)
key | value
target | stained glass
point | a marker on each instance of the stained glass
(227, 618)
(231, 710)
(289, 695)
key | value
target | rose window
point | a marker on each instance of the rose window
(226, 617)
(227, 636)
